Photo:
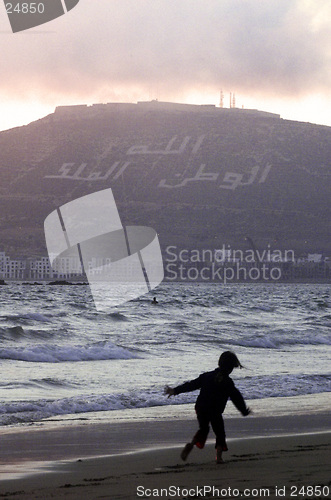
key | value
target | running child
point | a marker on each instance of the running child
(216, 387)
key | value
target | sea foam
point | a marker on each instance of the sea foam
(57, 354)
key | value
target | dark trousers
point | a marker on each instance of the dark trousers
(217, 424)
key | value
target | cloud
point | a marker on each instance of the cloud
(126, 47)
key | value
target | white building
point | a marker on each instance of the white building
(40, 269)
(14, 269)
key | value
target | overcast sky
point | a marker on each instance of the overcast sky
(274, 54)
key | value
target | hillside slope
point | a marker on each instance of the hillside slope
(201, 176)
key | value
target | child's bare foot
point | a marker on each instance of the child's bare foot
(219, 459)
(186, 451)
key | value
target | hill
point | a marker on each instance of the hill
(203, 177)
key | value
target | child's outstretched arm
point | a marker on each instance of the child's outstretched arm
(193, 385)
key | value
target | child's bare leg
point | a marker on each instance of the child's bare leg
(218, 427)
(198, 439)
(187, 450)
(219, 451)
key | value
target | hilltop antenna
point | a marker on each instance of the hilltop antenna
(230, 99)
(234, 100)
(222, 99)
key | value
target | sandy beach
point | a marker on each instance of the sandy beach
(256, 468)
(130, 458)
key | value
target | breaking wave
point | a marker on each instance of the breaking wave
(57, 354)
(257, 387)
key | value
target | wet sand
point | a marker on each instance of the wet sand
(130, 459)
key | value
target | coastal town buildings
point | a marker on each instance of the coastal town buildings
(311, 267)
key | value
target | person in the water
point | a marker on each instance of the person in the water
(154, 301)
(216, 387)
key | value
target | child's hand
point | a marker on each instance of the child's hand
(169, 391)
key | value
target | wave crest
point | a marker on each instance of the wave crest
(59, 354)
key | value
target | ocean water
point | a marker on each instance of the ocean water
(59, 356)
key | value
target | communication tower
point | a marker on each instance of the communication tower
(221, 99)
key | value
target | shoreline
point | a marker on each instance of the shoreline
(77, 439)
(120, 431)
(282, 281)
(308, 404)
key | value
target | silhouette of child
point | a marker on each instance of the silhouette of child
(216, 387)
